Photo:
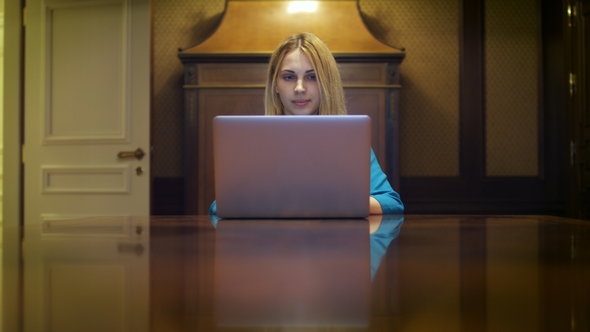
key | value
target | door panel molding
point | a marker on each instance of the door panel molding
(86, 180)
(87, 54)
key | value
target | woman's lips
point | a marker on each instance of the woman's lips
(301, 102)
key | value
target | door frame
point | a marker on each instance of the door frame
(576, 67)
(12, 209)
(13, 113)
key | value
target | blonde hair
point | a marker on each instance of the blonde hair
(332, 100)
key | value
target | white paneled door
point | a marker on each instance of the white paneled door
(87, 110)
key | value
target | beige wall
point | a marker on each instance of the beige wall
(176, 24)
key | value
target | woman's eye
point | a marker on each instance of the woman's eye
(288, 77)
(311, 77)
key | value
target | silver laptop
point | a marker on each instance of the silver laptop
(292, 166)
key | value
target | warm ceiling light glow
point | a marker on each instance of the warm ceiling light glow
(302, 6)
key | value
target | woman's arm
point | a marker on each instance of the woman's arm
(388, 200)
(374, 206)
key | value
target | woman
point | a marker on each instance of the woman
(303, 79)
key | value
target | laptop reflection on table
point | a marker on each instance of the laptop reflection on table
(294, 273)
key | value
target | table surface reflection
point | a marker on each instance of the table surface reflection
(387, 273)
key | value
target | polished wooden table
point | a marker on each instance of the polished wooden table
(391, 273)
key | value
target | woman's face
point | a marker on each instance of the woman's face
(297, 85)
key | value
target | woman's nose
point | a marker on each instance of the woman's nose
(299, 87)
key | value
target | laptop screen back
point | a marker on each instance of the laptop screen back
(292, 166)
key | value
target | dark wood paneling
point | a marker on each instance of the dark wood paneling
(168, 196)
(472, 191)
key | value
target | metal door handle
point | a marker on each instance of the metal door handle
(130, 154)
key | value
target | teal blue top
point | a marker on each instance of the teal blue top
(388, 231)
(380, 189)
